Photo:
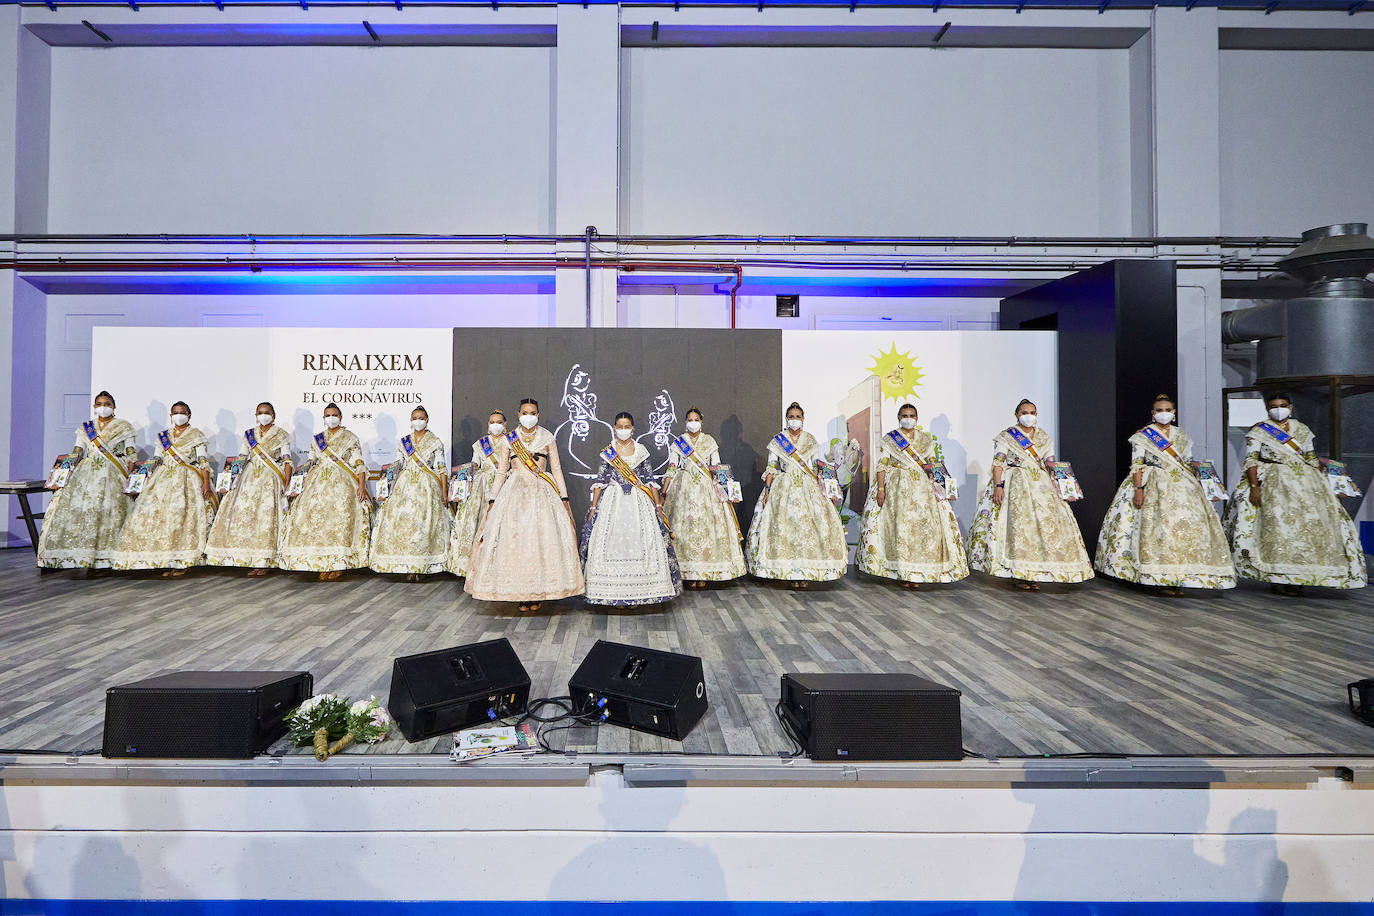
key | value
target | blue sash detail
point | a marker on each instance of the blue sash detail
(609, 454)
(164, 439)
(251, 438)
(1157, 438)
(320, 442)
(1274, 431)
(1020, 437)
(485, 442)
(684, 446)
(89, 429)
(898, 440)
(784, 443)
(512, 437)
(408, 445)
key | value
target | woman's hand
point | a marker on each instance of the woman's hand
(1138, 500)
(1255, 499)
(998, 494)
(881, 497)
(205, 490)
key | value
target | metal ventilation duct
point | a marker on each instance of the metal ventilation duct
(1329, 330)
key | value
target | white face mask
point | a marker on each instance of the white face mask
(623, 434)
(418, 425)
(1027, 420)
(1279, 413)
(496, 429)
(331, 422)
(1164, 417)
(529, 420)
(104, 412)
(906, 422)
(693, 426)
(794, 424)
(265, 419)
(180, 419)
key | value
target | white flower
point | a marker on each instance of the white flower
(363, 707)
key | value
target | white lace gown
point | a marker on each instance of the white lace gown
(82, 522)
(413, 524)
(626, 550)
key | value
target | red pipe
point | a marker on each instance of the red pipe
(739, 281)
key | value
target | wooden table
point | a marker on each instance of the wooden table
(22, 489)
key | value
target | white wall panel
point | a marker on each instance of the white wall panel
(300, 140)
(877, 141)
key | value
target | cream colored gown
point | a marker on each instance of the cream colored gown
(1175, 539)
(1300, 534)
(171, 518)
(471, 510)
(250, 515)
(526, 548)
(705, 530)
(413, 523)
(327, 528)
(81, 524)
(914, 536)
(1033, 535)
(796, 535)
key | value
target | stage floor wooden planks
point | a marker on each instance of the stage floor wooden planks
(1099, 668)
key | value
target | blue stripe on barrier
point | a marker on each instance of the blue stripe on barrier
(670, 908)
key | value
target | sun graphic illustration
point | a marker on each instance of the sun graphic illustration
(898, 373)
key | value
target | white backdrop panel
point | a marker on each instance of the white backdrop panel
(224, 372)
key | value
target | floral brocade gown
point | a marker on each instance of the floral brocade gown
(171, 518)
(1033, 535)
(1175, 539)
(627, 553)
(705, 530)
(914, 536)
(327, 527)
(471, 510)
(249, 519)
(82, 522)
(526, 547)
(1300, 534)
(413, 523)
(796, 535)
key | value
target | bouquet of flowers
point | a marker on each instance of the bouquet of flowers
(331, 723)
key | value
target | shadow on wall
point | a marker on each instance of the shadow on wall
(744, 463)
(1174, 855)
(956, 462)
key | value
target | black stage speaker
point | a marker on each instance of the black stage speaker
(873, 717)
(1361, 695)
(234, 714)
(443, 691)
(658, 692)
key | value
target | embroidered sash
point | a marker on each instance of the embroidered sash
(903, 446)
(322, 443)
(485, 445)
(1280, 435)
(528, 461)
(1164, 445)
(1024, 441)
(89, 428)
(164, 439)
(790, 450)
(255, 447)
(612, 457)
(409, 446)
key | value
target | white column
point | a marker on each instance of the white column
(586, 152)
(1186, 148)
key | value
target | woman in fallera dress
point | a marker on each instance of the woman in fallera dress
(796, 533)
(1286, 526)
(413, 523)
(328, 528)
(486, 452)
(1024, 530)
(81, 524)
(909, 532)
(1161, 529)
(526, 547)
(627, 551)
(706, 531)
(172, 515)
(249, 519)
